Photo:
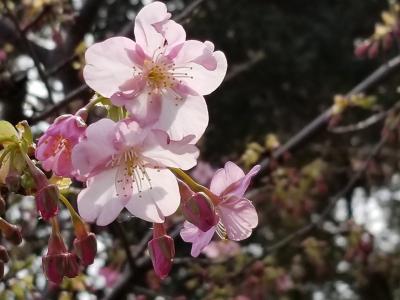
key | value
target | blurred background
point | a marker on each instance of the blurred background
(328, 203)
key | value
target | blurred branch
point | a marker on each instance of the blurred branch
(238, 69)
(30, 49)
(362, 124)
(187, 11)
(373, 79)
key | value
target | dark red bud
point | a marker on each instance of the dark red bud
(199, 210)
(54, 267)
(162, 252)
(4, 254)
(12, 233)
(86, 248)
(71, 265)
(47, 201)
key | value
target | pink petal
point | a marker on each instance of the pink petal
(198, 238)
(145, 108)
(173, 33)
(208, 68)
(129, 134)
(109, 65)
(239, 217)
(180, 118)
(206, 81)
(160, 150)
(128, 91)
(146, 34)
(239, 187)
(155, 201)
(99, 202)
(223, 178)
(94, 151)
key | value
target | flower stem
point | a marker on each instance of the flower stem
(196, 187)
(79, 225)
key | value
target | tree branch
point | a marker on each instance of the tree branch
(30, 49)
(310, 129)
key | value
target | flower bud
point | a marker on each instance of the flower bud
(47, 201)
(12, 233)
(162, 252)
(86, 248)
(71, 265)
(199, 210)
(54, 266)
(4, 254)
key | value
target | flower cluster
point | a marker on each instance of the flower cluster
(135, 158)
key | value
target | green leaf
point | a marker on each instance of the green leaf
(7, 131)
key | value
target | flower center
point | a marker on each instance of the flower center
(131, 174)
(57, 145)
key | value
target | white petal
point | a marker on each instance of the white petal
(99, 202)
(155, 201)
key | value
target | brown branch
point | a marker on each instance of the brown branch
(310, 129)
(187, 11)
(238, 69)
(30, 49)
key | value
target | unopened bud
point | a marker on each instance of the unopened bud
(71, 265)
(199, 210)
(361, 49)
(11, 232)
(54, 267)
(162, 252)
(86, 248)
(47, 201)
(4, 254)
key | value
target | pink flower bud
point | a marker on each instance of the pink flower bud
(361, 49)
(47, 201)
(162, 252)
(54, 267)
(86, 248)
(71, 265)
(373, 50)
(199, 210)
(4, 254)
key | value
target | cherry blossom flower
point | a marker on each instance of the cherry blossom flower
(237, 215)
(126, 166)
(161, 78)
(54, 147)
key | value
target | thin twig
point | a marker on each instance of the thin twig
(374, 78)
(31, 51)
(187, 11)
(238, 69)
